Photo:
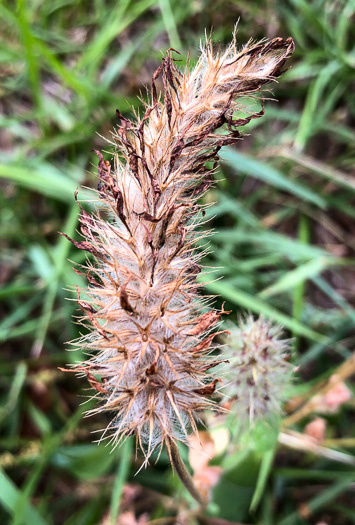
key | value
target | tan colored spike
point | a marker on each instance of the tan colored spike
(150, 339)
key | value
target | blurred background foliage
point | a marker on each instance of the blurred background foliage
(284, 244)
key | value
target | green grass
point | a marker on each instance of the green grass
(284, 245)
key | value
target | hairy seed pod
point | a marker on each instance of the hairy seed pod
(150, 338)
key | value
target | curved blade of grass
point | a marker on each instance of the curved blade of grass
(336, 176)
(307, 123)
(170, 24)
(299, 473)
(61, 253)
(239, 162)
(30, 55)
(322, 500)
(15, 389)
(265, 468)
(120, 61)
(119, 19)
(297, 276)
(333, 342)
(50, 444)
(9, 497)
(254, 304)
(335, 296)
(272, 242)
(14, 289)
(21, 312)
(120, 480)
(57, 186)
(29, 327)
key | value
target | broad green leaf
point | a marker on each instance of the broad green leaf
(234, 491)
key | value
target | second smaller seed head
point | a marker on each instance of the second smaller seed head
(259, 371)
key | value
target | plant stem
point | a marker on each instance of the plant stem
(183, 473)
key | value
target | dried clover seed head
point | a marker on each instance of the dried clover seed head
(150, 333)
(258, 371)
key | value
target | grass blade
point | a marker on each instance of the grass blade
(265, 468)
(298, 276)
(256, 305)
(9, 497)
(57, 186)
(121, 477)
(239, 162)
